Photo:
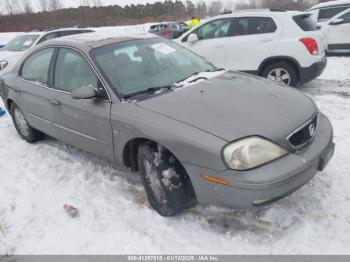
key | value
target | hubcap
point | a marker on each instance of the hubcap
(280, 76)
(21, 122)
(153, 180)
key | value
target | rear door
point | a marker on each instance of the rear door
(35, 96)
(84, 123)
(253, 40)
(339, 32)
(212, 41)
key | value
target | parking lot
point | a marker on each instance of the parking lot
(115, 218)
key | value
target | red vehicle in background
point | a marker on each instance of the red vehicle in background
(170, 30)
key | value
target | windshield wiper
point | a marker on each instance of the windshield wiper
(176, 84)
(150, 90)
(215, 70)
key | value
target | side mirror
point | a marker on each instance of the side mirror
(337, 21)
(192, 38)
(84, 92)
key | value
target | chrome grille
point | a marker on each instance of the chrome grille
(304, 134)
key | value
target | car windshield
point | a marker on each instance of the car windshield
(20, 43)
(138, 66)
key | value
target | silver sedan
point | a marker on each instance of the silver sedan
(195, 132)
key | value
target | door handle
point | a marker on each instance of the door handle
(266, 39)
(55, 102)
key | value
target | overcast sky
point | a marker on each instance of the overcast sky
(76, 3)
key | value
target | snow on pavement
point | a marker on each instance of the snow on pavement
(337, 69)
(115, 218)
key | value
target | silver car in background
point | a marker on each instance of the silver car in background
(195, 132)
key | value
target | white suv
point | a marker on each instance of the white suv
(286, 47)
(13, 51)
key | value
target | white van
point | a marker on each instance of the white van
(323, 12)
(334, 19)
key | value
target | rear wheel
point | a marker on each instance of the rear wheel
(282, 73)
(168, 188)
(22, 126)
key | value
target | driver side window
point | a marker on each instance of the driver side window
(214, 29)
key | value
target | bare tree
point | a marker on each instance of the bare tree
(10, 6)
(96, 2)
(44, 5)
(229, 5)
(85, 2)
(55, 5)
(27, 6)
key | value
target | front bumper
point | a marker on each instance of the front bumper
(269, 183)
(315, 70)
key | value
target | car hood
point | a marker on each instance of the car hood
(235, 105)
(10, 56)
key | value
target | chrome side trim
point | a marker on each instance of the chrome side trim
(39, 118)
(79, 134)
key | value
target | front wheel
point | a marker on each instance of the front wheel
(282, 73)
(22, 126)
(168, 188)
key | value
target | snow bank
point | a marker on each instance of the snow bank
(337, 69)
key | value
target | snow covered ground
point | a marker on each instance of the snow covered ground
(115, 218)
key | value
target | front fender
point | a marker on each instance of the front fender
(188, 144)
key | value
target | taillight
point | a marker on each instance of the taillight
(310, 44)
(166, 32)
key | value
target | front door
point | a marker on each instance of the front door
(212, 39)
(84, 123)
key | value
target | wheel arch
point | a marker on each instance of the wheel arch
(9, 102)
(130, 152)
(290, 60)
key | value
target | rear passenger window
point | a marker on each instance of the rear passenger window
(255, 25)
(306, 22)
(327, 13)
(73, 71)
(36, 67)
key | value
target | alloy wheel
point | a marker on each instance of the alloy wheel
(21, 122)
(280, 75)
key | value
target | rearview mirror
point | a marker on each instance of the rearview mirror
(84, 92)
(338, 21)
(192, 38)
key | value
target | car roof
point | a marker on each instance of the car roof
(96, 39)
(46, 31)
(251, 12)
(330, 4)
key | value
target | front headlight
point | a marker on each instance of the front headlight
(3, 64)
(251, 152)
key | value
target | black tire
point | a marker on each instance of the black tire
(24, 130)
(168, 188)
(285, 66)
